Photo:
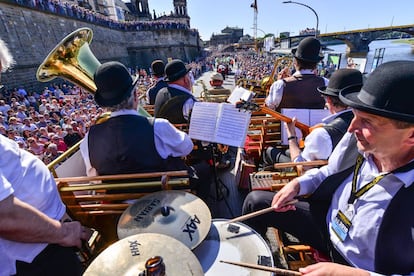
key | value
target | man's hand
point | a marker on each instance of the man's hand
(73, 233)
(286, 194)
(290, 127)
(332, 269)
(284, 73)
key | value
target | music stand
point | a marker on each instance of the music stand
(222, 191)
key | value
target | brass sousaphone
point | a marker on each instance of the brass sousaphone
(73, 60)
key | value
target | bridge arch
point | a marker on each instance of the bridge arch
(358, 41)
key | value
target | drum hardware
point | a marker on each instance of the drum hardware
(278, 271)
(89, 247)
(154, 267)
(128, 256)
(245, 245)
(177, 214)
(233, 228)
(260, 212)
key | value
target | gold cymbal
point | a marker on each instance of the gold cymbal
(128, 256)
(177, 214)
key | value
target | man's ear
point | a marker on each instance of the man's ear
(411, 137)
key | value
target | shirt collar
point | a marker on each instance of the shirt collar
(331, 117)
(124, 112)
(179, 87)
(304, 72)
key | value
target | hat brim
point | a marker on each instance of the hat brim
(178, 75)
(111, 102)
(324, 90)
(313, 59)
(355, 99)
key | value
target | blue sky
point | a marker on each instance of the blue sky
(211, 16)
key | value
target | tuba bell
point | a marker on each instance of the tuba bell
(73, 60)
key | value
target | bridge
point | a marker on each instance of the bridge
(358, 40)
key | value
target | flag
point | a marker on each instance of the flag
(254, 5)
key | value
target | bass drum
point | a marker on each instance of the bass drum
(235, 242)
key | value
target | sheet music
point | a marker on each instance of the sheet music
(220, 123)
(232, 126)
(316, 116)
(203, 121)
(308, 117)
(240, 93)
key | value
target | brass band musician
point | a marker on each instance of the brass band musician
(320, 143)
(128, 142)
(157, 68)
(358, 208)
(35, 238)
(300, 89)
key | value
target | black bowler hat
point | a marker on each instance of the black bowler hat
(113, 82)
(308, 50)
(175, 69)
(388, 92)
(340, 79)
(157, 67)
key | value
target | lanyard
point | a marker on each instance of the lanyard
(358, 193)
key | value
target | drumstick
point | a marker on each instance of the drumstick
(258, 213)
(278, 271)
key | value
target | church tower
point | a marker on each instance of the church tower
(180, 11)
(180, 8)
(142, 9)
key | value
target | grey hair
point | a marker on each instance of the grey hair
(128, 103)
(6, 58)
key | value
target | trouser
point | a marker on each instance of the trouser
(200, 179)
(274, 155)
(53, 260)
(304, 223)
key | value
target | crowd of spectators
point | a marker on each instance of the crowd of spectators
(71, 9)
(49, 122)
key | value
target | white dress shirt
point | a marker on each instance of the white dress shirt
(359, 246)
(169, 141)
(276, 89)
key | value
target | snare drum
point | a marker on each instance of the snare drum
(233, 242)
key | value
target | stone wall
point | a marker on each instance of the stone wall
(32, 34)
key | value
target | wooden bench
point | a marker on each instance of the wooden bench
(98, 201)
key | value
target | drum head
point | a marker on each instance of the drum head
(177, 214)
(128, 256)
(233, 242)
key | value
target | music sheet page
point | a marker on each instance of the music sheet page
(232, 126)
(220, 123)
(203, 121)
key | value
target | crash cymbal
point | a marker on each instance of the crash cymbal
(128, 256)
(177, 214)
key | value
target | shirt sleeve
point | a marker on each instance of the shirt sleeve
(6, 188)
(84, 149)
(169, 141)
(275, 94)
(318, 145)
(187, 107)
(311, 180)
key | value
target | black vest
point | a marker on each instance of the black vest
(394, 251)
(153, 91)
(124, 144)
(301, 92)
(338, 127)
(169, 105)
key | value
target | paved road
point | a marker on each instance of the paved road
(229, 83)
